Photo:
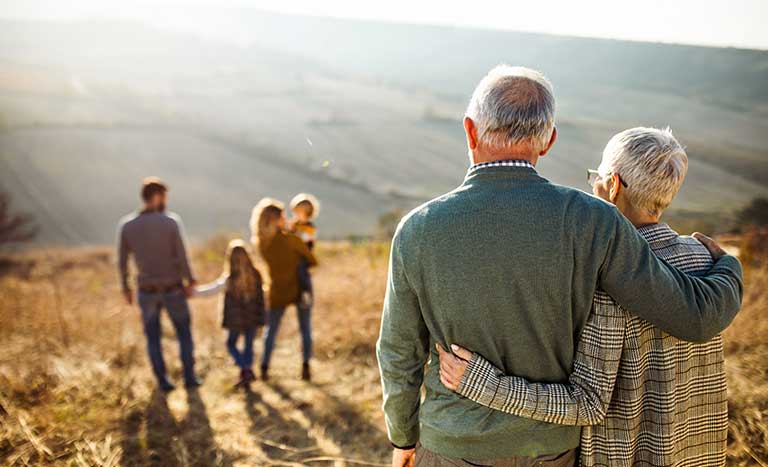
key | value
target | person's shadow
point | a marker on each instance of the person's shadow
(167, 443)
(278, 437)
(155, 445)
(198, 434)
(342, 422)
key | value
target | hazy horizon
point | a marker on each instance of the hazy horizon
(365, 115)
(684, 22)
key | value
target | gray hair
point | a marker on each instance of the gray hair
(651, 162)
(512, 105)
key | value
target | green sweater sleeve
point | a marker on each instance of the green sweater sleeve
(690, 308)
(583, 400)
(402, 351)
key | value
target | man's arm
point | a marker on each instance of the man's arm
(123, 251)
(402, 352)
(583, 400)
(690, 308)
(181, 253)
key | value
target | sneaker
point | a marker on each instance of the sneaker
(265, 373)
(242, 382)
(306, 374)
(193, 383)
(249, 376)
(166, 386)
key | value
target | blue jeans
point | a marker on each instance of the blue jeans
(176, 304)
(243, 359)
(305, 278)
(274, 317)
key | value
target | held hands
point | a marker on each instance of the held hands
(189, 290)
(453, 365)
(403, 457)
(714, 248)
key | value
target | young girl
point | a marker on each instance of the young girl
(283, 253)
(243, 305)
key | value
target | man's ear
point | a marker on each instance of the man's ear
(471, 130)
(551, 143)
(615, 189)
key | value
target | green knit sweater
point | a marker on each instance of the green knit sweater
(506, 265)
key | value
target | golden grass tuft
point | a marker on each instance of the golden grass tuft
(76, 390)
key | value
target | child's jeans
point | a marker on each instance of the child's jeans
(244, 358)
(305, 278)
(274, 318)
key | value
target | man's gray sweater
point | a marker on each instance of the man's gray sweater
(156, 241)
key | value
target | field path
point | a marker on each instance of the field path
(285, 421)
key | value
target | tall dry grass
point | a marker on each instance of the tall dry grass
(746, 349)
(75, 387)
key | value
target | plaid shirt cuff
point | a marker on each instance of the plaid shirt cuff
(480, 381)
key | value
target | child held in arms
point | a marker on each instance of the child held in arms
(305, 208)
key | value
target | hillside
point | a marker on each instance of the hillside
(76, 389)
(365, 115)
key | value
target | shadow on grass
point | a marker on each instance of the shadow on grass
(153, 437)
(342, 422)
(279, 437)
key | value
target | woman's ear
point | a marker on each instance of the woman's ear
(615, 188)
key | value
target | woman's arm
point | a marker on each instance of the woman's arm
(304, 251)
(583, 400)
(211, 289)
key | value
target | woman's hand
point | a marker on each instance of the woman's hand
(453, 365)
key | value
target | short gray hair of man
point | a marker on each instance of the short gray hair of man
(651, 162)
(511, 105)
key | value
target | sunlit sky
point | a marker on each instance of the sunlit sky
(739, 23)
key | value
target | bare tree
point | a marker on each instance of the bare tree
(754, 214)
(14, 227)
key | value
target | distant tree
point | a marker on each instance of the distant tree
(388, 224)
(14, 227)
(754, 214)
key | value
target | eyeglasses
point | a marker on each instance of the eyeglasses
(593, 176)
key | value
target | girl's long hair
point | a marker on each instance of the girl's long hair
(264, 219)
(243, 279)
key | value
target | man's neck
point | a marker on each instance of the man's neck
(481, 158)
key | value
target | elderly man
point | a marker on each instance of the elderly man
(661, 402)
(507, 265)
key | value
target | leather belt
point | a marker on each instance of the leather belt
(160, 288)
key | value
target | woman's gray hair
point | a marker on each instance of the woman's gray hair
(651, 162)
(513, 105)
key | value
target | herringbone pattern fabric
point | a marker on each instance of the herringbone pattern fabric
(644, 397)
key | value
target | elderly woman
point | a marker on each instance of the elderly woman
(283, 252)
(643, 396)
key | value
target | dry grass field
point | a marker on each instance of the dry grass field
(75, 387)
